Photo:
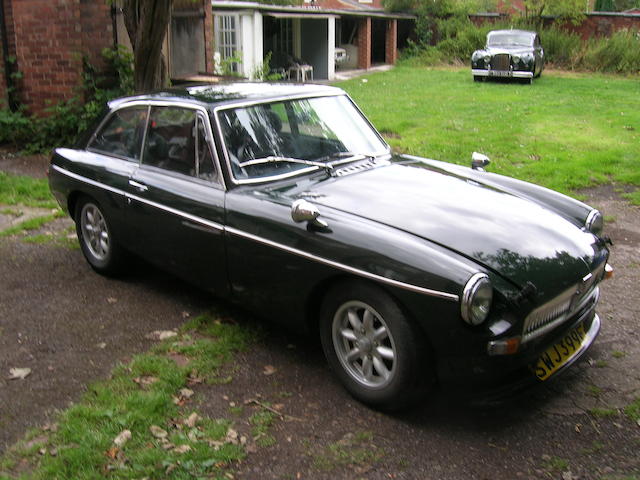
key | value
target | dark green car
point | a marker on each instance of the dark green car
(414, 273)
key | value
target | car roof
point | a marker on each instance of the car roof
(512, 31)
(228, 94)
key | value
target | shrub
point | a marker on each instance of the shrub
(456, 38)
(561, 48)
(619, 53)
(62, 121)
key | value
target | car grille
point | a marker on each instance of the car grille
(501, 61)
(555, 312)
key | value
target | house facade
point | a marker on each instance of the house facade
(44, 43)
(324, 35)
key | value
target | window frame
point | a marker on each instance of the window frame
(107, 118)
(218, 182)
(221, 46)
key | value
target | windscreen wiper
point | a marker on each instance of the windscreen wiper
(349, 156)
(277, 159)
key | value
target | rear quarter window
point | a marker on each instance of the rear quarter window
(121, 135)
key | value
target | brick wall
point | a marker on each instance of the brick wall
(48, 39)
(208, 36)
(364, 43)
(601, 24)
(391, 42)
(594, 24)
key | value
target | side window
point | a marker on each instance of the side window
(170, 140)
(177, 141)
(122, 135)
(204, 160)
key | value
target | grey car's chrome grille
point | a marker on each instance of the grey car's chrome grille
(501, 61)
(568, 303)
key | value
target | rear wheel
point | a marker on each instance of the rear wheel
(96, 238)
(376, 352)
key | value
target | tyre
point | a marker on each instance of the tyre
(477, 78)
(96, 238)
(377, 353)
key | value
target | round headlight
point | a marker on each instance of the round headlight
(476, 299)
(594, 222)
(487, 58)
(516, 58)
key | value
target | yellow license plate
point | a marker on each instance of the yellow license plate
(557, 355)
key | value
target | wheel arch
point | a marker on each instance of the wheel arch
(319, 292)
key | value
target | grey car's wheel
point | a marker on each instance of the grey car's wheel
(376, 352)
(96, 238)
(478, 78)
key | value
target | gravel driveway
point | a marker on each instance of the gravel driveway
(70, 326)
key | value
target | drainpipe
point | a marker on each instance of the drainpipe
(8, 67)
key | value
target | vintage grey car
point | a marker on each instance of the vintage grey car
(509, 54)
(413, 273)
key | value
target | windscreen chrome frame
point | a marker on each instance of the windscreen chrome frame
(249, 181)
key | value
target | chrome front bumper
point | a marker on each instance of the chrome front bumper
(477, 72)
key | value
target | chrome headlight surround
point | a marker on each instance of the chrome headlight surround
(594, 222)
(516, 59)
(477, 296)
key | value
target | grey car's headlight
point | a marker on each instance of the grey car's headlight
(487, 58)
(594, 222)
(515, 58)
(476, 299)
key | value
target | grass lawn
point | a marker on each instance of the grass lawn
(566, 131)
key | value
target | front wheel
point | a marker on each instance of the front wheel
(96, 238)
(376, 352)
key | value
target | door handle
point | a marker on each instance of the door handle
(140, 186)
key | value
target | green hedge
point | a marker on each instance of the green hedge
(457, 37)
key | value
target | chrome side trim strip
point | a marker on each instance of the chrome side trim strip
(234, 231)
(193, 218)
(75, 176)
(346, 268)
(180, 213)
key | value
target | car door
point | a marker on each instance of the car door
(176, 197)
(111, 157)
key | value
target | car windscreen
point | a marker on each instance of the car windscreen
(505, 39)
(283, 132)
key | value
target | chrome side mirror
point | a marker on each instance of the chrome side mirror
(304, 211)
(479, 161)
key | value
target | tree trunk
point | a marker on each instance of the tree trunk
(147, 22)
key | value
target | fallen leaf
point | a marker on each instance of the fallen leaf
(278, 406)
(168, 446)
(145, 380)
(112, 300)
(122, 438)
(161, 334)
(158, 432)
(231, 437)
(112, 452)
(269, 370)
(50, 427)
(194, 434)
(182, 449)
(192, 420)
(19, 373)
(186, 393)
(101, 345)
(186, 314)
